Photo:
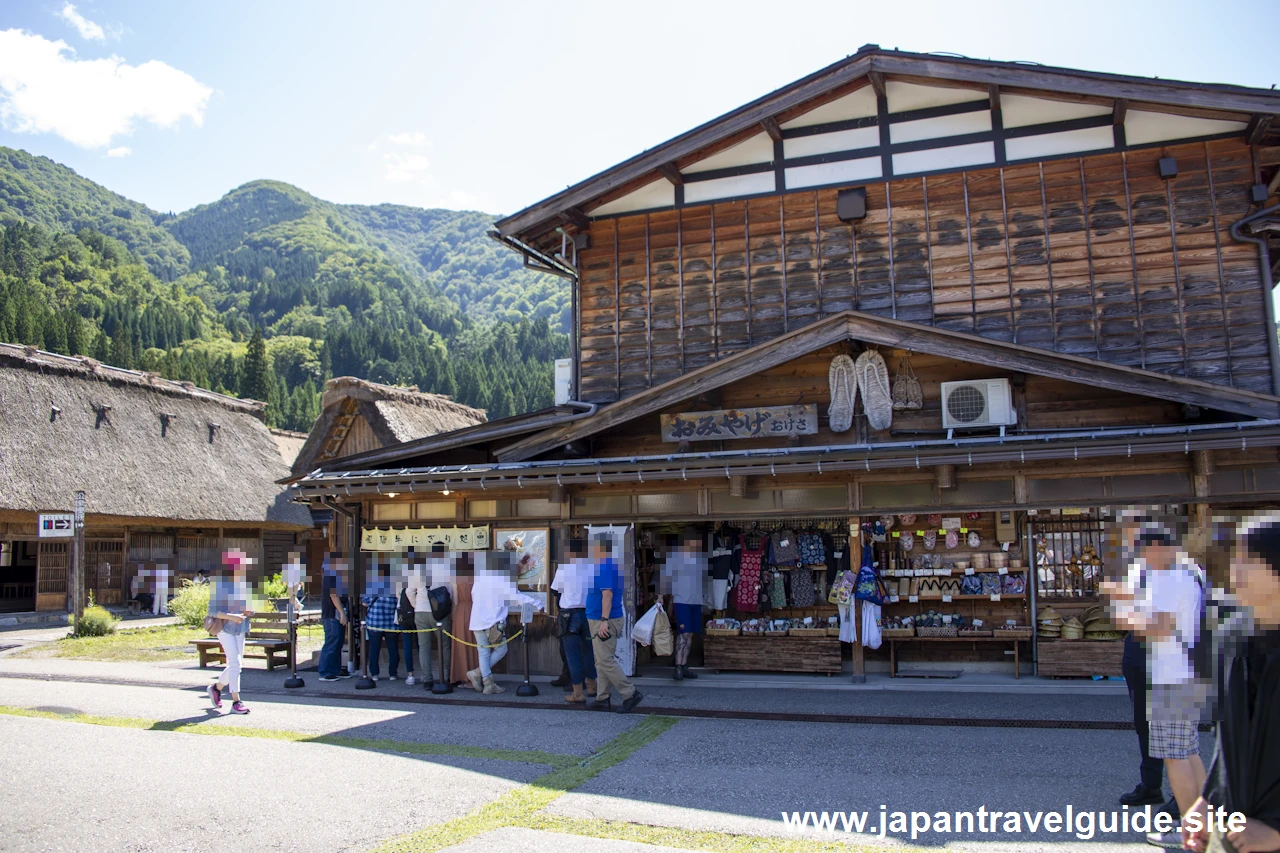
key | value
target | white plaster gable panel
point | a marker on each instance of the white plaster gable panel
(1141, 127)
(825, 143)
(757, 149)
(1022, 110)
(955, 157)
(1065, 142)
(912, 96)
(659, 193)
(859, 104)
(932, 128)
(823, 174)
(758, 182)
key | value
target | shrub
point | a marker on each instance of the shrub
(274, 587)
(95, 621)
(191, 604)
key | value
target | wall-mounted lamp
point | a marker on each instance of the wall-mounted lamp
(1168, 168)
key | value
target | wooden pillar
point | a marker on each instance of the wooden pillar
(855, 562)
(1199, 520)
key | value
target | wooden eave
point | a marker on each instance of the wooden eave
(896, 334)
(1201, 99)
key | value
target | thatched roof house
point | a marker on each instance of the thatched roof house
(159, 462)
(357, 416)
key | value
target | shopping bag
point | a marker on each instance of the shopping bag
(663, 640)
(642, 633)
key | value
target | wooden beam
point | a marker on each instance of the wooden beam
(671, 173)
(993, 92)
(1119, 111)
(877, 83)
(575, 217)
(770, 125)
(884, 332)
(1258, 126)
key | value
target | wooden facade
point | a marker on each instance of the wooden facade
(1094, 256)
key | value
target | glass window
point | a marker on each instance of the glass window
(723, 502)
(905, 495)
(1228, 482)
(596, 505)
(978, 492)
(488, 509)
(685, 503)
(436, 510)
(1266, 479)
(537, 508)
(392, 511)
(826, 497)
(1136, 485)
(1064, 488)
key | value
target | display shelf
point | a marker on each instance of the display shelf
(755, 652)
(1077, 658)
(1012, 641)
(1004, 596)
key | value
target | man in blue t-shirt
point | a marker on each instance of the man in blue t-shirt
(604, 615)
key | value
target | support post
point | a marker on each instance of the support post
(293, 577)
(77, 564)
(526, 619)
(857, 653)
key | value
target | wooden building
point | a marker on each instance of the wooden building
(1074, 266)
(172, 474)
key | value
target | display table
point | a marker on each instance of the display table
(1079, 657)
(1013, 641)
(772, 654)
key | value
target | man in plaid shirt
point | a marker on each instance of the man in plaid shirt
(381, 599)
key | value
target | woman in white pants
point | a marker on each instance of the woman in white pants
(229, 602)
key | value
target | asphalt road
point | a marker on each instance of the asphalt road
(71, 786)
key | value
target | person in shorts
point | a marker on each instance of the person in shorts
(683, 575)
(1167, 594)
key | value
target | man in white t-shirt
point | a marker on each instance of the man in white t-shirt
(1167, 590)
(572, 581)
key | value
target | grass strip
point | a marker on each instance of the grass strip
(522, 805)
(520, 756)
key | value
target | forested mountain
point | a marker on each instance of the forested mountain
(269, 291)
(40, 191)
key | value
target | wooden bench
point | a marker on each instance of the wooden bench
(268, 632)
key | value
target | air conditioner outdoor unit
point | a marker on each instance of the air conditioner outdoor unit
(980, 403)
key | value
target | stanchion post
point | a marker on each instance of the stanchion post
(526, 617)
(293, 681)
(364, 682)
(441, 684)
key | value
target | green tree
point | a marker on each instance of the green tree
(255, 376)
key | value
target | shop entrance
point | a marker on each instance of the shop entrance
(18, 575)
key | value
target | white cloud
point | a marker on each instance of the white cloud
(403, 168)
(87, 29)
(122, 151)
(44, 88)
(415, 138)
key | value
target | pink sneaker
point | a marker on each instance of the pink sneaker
(239, 708)
(215, 695)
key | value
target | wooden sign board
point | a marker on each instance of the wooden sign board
(421, 539)
(728, 424)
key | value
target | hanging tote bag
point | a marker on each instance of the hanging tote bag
(869, 587)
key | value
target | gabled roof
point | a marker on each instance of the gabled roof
(881, 331)
(870, 66)
(394, 414)
(137, 444)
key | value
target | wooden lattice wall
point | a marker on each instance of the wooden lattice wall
(1002, 252)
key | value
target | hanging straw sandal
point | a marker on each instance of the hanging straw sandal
(844, 393)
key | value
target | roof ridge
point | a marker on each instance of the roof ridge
(84, 367)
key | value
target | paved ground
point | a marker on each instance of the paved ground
(71, 785)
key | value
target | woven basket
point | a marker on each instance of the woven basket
(810, 632)
(897, 633)
(944, 631)
(1013, 633)
(775, 633)
(722, 632)
(978, 633)
(833, 632)
(981, 560)
(999, 560)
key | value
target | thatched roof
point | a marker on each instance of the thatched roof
(137, 444)
(289, 443)
(395, 415)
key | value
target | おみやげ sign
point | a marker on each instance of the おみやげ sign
(728, 424)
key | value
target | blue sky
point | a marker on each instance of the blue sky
(495, 105)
